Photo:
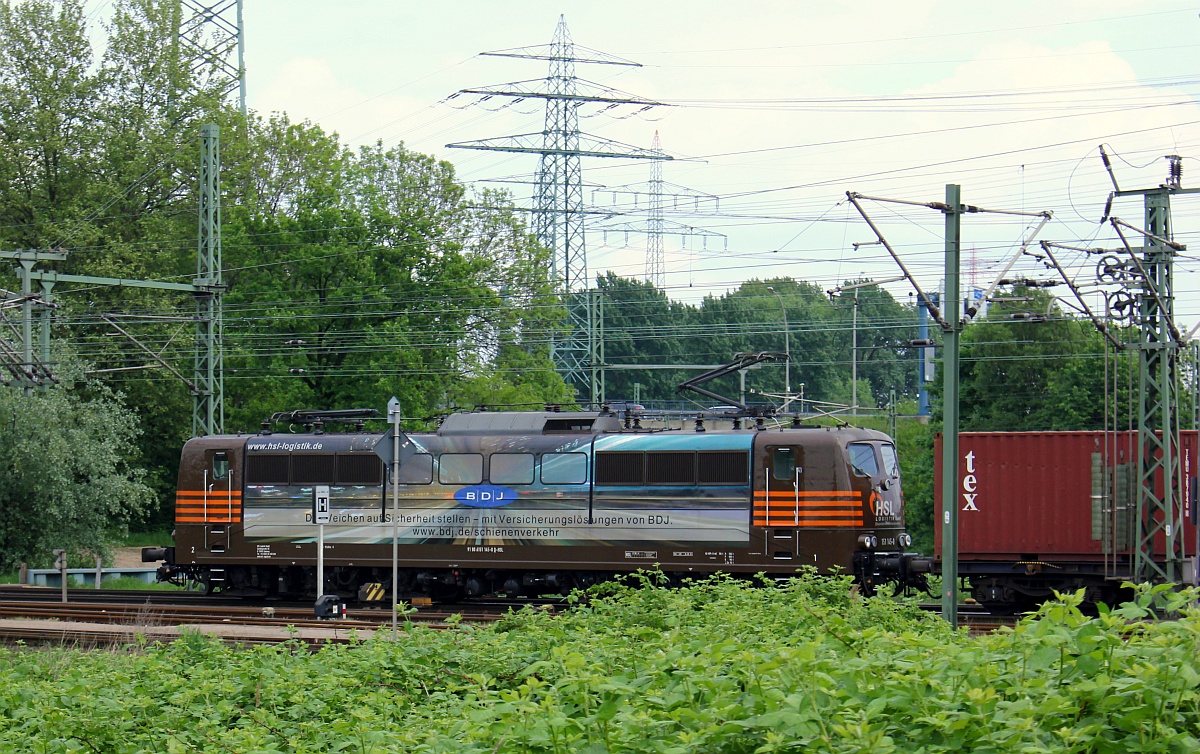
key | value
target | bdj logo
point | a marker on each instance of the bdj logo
(485, 496)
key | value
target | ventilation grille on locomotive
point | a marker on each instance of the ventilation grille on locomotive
(306, 469)
(267, 469)
(672, 468)
(313, 469)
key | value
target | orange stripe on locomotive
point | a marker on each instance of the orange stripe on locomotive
(219, 507)
(808, 508)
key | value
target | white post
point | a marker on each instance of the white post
(320, 514)
(394, 415)
(320, 561)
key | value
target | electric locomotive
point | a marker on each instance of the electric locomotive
(536, 502)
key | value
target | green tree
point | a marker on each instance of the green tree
(357, 276)
(48, 96)
(643, 326)
(1034, 373)
(66, 480)
(752, 318)
(883, 329)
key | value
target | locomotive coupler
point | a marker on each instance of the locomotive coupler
(907, 570)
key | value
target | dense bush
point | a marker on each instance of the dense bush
(715, 667)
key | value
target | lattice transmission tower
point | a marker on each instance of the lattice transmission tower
(212, 38)
(628, 200)
(656, 262)
(558, 208)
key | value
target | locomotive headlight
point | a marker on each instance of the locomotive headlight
(868, 541)
(905, 540)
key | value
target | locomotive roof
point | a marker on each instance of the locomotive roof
(529, 423)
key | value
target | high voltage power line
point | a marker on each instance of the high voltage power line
(238, 309)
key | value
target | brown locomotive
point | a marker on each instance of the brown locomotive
(536, 502)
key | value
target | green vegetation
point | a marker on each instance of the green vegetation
(716, 667)
(132, 584)
(65, 478)
(157, 538)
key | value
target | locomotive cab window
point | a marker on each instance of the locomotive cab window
(862, 459)
(891, 466)
(783, 463)
(220, 465)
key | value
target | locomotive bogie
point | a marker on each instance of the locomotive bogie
(536, 504)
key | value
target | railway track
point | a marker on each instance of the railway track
(975, 618)
(106, 617)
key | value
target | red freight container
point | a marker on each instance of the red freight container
(1042, 504)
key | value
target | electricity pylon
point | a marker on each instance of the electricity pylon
(212, 37)
(656, 263)
(655, 225)
(558, 212)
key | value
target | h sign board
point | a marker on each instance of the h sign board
(320, 512)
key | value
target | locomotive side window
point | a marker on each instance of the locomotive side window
(267, 469)
(862, 459)
(724, 467)
(312, 469)
(416, 470)
(511, 468)
(460, 468)
(890, 465)
(220, 465)
(564, 468)
(671, 468)
(362, 469)
(783, 464)
(626, 467)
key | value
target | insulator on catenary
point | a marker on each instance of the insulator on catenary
(1175, 168)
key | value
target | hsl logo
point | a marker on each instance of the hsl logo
(485, 496)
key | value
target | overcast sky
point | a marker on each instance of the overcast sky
(778, 109)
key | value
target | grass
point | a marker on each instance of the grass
(160, 538)
(126, 582)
